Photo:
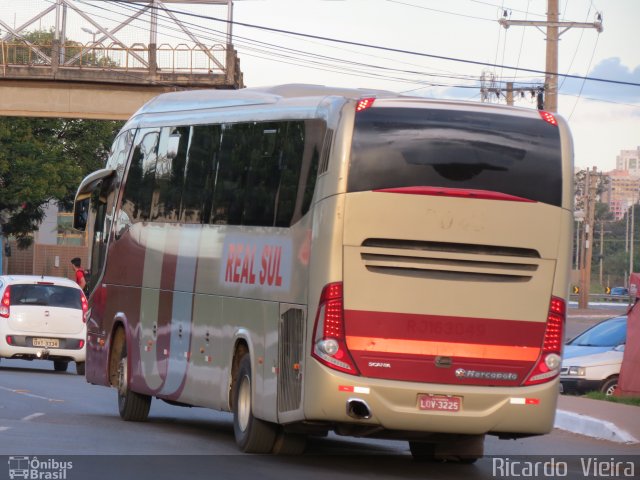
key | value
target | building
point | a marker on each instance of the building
(622, 191)
(54, 245)
(629, 160)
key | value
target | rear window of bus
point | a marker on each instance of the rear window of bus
(401, 147)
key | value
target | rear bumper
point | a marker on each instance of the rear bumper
(22, 347)
(394, 405)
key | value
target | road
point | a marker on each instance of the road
(580, 320)
(58, 417)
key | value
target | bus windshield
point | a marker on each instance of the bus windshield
(402, 147)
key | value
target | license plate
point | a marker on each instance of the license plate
(46, 342)
(442, 403)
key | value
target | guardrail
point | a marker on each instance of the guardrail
(603, 297)
(183, 59)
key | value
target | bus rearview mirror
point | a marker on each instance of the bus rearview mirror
(81, 214)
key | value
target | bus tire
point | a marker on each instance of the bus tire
(80, 368)
(60, 366)
(252, 434)
(132, 406)
(289, 443)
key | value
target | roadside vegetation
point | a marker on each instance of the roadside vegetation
(635, 401)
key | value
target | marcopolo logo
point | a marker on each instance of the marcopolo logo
(485, 375)
(38, 469)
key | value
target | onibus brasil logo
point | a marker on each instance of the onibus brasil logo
(38, 469)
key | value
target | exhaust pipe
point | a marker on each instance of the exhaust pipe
(358, 409)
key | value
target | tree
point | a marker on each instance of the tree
(21, 52)
(45, 159)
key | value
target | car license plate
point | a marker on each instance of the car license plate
(443, 403)
(46, 342)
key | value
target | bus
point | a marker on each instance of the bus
(317, 259)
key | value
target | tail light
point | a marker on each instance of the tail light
(548, 117)
(5, 303)
(364, 103)
(85, 306)
(548, 365)
(329, 345)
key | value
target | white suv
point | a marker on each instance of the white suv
(43, 318)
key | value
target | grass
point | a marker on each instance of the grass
(635, 401)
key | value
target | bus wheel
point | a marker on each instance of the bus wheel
(252, 434)
(289, 443)
(133, 407)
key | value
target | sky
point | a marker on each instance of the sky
(430, 48)
(604, 118)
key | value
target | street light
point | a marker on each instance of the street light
(91, 32)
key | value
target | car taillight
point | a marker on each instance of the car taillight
(5, 303)
(85, 306)
(329, 345)
(548, 365)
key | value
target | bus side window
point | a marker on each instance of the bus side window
(266, 172)
(136, 200)
(230, 182)
(197, 197)
(313, 135)
(170, 176)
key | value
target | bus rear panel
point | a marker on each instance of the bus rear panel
(455, 233)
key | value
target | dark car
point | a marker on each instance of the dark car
(621, 291)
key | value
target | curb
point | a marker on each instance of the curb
(592, 427)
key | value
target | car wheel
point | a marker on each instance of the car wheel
(609, 386)
(80, 368)
(60, 366)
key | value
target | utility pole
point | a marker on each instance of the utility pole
(601, 248)
(633, 216)
(553, 36)
(489, 88)
(587, 237)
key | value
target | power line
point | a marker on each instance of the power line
(403, 51)
(441, 11)
(316, 60)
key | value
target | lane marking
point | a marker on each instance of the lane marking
(28, 418)
(4, 429)
(27, 394)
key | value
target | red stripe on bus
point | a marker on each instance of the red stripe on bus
(445, 349)
(456, 192)
(362, 323)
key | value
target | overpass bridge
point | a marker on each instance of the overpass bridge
(48, 68)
